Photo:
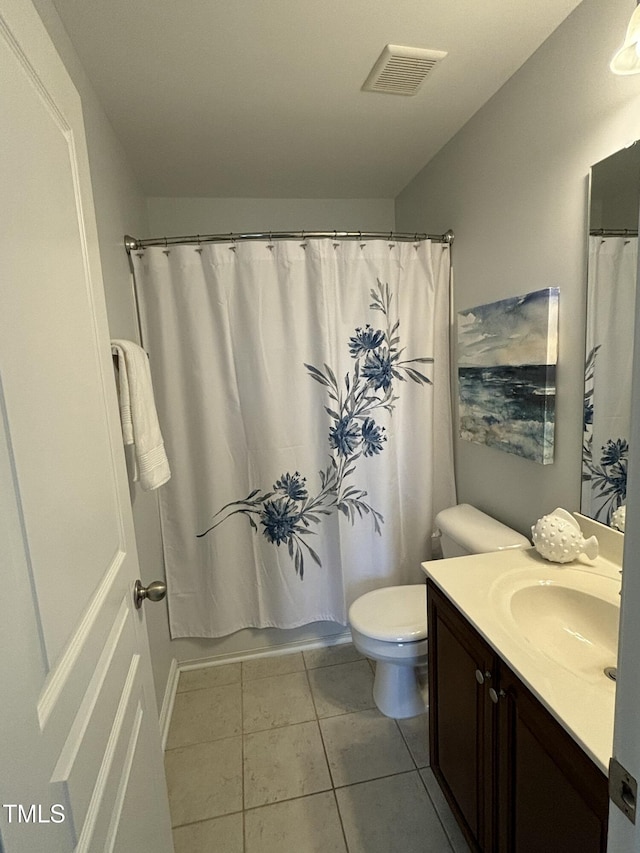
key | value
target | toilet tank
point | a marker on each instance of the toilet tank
(465, 530)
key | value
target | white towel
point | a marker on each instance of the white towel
(138, 415)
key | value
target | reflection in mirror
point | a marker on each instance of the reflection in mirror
(611, 294)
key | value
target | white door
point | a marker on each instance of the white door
(80, 757)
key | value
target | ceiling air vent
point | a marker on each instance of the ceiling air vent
(402, 70)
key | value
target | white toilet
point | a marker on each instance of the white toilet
(389, 624)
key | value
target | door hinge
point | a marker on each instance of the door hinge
(623, 789)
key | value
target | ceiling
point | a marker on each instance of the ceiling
(262, 98)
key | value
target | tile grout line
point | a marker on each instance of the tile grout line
(324, 746)
(378, 779)
(244, 823)
(326, 756)
(344, 833)
(437, 811)
(406, 743)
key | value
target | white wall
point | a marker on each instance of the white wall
(513, 185)
(181, 216)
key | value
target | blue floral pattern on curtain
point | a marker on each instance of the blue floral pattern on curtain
(607, 471)
(286, 513)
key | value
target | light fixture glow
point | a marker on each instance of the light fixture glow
(627, 59)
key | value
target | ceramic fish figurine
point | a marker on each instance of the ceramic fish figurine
(619, 517)
(558, 538)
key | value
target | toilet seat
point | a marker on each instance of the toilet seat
(393, 614)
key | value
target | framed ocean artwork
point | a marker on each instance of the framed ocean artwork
(507, 355)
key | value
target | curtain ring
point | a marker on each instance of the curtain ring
(165, 251)
(199, 246)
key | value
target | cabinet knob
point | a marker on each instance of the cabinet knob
(481, 677)
(494, 695)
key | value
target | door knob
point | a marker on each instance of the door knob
(156, 591)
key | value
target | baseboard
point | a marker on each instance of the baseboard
(169, 700)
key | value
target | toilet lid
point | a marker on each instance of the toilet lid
(396, 614)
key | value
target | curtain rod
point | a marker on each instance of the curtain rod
(132, 243)
(613, 232)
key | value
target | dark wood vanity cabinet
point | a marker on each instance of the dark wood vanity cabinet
(460, 718)
(515, 780)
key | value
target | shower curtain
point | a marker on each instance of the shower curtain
(303, 392)
(611, 294)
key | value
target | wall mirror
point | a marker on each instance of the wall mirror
(611, 295)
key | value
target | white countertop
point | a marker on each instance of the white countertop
(582, 704)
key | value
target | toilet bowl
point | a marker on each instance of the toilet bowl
(389, 625)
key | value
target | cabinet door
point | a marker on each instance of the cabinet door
(552, 797)
(460, 717)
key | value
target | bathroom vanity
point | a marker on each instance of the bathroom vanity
(514, 778)
(521, 710)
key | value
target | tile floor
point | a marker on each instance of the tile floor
(288, 754)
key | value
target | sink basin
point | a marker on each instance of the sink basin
(569, 615)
